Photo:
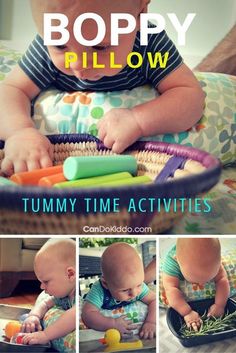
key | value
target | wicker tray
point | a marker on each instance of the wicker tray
(200, 173)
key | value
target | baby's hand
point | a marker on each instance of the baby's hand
(35, 338)
(148, 330)
(31, 324)
(193, 320)
(119, 129)
(123, 325)
(26, 149)
(216, 310)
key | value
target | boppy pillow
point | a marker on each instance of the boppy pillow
(136, 312)
(55, 111)
(79, 112)
(8, 59)
(194, 291)
(66, 344)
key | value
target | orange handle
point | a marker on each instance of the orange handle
(33, 177)
(52, 179)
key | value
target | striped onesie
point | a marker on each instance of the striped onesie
(37, 64)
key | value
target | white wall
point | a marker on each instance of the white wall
(6, 7)
(213, 20)
(16, 23)
(24, 28)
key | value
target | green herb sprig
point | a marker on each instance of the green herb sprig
(210, 325)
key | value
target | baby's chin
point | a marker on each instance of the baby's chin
(98, 76)
(94, 78)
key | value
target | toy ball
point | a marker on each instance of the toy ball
(19, 338)
(12, 328)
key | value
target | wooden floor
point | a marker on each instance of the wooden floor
(22, 297)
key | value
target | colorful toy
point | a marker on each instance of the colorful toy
(19, 339)
(12, 328)
(51, 180)
(94, 181)
(86, 171)
(144, 179)
(90, 166)
(33, 177)
(112, 340)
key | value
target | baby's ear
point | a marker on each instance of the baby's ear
(143, 9)
(104, 283)
(70, 272)
(144, 5)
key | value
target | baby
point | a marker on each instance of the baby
(178, 107)
(197, 260)
(122, 283)
(54, 267)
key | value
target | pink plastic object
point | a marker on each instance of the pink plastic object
(17, 339)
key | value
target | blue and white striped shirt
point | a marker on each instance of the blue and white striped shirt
(37, 64)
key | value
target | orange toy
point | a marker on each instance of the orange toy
(52, 179)
(33, 177)
(12, 328)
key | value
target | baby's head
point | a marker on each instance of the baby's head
(72, 9)
(199, 258)
(54, 266)
(122, 271)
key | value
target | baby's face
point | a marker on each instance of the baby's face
(54, 278)
(127, 287)
(89, 31)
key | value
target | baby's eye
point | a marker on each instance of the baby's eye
(60, 47)
(101, 47)
(125, 290)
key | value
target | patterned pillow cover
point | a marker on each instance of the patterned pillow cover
(194, 291)
(78, 112)
(66, 344)
(136, 312)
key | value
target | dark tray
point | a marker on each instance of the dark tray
(175, 321)
(8, 313)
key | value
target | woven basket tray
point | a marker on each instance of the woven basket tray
(201, 171)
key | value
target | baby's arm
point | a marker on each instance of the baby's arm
(25, 147)
(176, 301)
(150, 272)
(32, 323)
(61, 327)
(178, 108)
(92, 318)
(148, 330)
(222, 293)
